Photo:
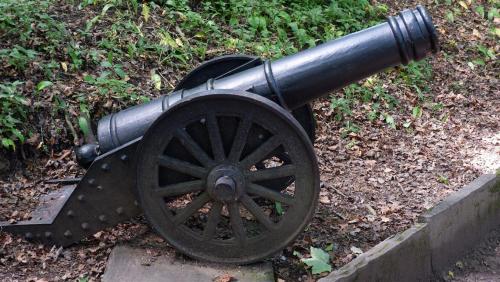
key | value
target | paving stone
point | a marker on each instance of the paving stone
(134, 264)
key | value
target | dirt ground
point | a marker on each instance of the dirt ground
(375, 183)
(481, 264)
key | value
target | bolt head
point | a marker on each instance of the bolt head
(105, 167)
(119, 210)
(85, 226)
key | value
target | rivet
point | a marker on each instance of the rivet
(71, 213)
(85, 226)
(81, 198)
(124, 158)
(91, 181)
(67, 234)
(99, 187)
(105, 167)
(136, 203)
(119, 210)
(28, 235)
(48, 234)
(102, 218)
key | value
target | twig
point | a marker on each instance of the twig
(338, 192)
(71, 128)
(339, 215)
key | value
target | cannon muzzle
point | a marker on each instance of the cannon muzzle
(295, 80)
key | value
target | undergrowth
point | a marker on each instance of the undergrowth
(116, 53)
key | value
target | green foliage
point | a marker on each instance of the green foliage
(43, 84)
(417, 75)
(279, 208)
(84, 126)
(376, 99)
(109, 86)
(319, 261)
(443, 179)
(14, 109)
(120, 40)
(17, 57)
(25, 19)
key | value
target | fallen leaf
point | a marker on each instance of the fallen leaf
(319, 261)
(356, 250)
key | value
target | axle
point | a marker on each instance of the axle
(298, 79)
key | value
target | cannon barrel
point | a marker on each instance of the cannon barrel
(296, 80)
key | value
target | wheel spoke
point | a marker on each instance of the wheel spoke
(179, 188)
(190, 209)
(271, 173)
(240, 139)
(182, 166)
(193, 147)
(261, 152)
(215, 138)
(213, 220)
(252, 207)
(237, 224)
(270, 194)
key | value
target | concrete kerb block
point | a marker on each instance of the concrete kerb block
(462, 220)
(443, 235)
(403, 257)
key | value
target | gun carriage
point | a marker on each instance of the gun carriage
(223, 167)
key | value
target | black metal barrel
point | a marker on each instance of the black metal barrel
(296, 80)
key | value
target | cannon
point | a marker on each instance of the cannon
(223, 167)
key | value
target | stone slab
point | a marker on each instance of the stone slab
(132, 264)
(460, 222)
(404, 257)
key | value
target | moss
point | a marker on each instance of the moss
(496, 187)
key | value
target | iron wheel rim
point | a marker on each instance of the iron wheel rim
(275, 232)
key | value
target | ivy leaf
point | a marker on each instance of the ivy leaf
(390, 121)
(329, 248)
(106, 8)
(18, 134)
(119, 71)
(279, 208)
(480, 11)
(319, 261)
(417, 112)
(145, 11)
(156, 80)
(8, 143)
(84, 125)
(43, 84)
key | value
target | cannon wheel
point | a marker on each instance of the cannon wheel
(199, 186)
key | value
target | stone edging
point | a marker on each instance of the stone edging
(442, 236)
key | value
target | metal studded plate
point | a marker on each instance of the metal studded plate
(104, 197)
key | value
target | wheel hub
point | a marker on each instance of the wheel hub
(225, 183)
